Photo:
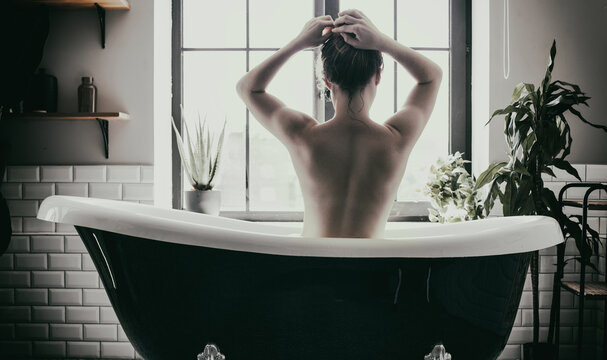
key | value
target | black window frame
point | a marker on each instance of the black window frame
(460, 55)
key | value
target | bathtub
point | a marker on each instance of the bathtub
(179, 281)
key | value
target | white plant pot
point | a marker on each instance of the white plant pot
(206, 202)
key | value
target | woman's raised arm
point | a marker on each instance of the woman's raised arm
(272, 113)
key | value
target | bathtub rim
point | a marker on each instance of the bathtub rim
(509, 235)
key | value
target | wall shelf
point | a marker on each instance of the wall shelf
(99, 5)
(109, 116)
(75, 4)
(103, 118)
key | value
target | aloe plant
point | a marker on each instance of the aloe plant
(198, 151)
(539, 138)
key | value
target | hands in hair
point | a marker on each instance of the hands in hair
(358, 31)
(315, 32)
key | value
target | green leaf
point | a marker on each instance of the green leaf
(507, 202)
(565, 165)
(563, 83)
(488, 175)
(518, 90)
(566, 147)
(493, 193)
(579, 115)
(182, 153)
(548, 171)
(548, 75)
(520, 168)
(219, 150)
(531, 90)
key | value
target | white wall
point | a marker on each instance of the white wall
(580, 28)
(481, 64)
(124, 75)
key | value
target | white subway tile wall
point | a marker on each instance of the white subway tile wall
(52, 304)
(124, 174)
(91, 173)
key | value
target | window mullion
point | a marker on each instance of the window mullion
(319, 109)
(177, 89)
(331, 8)
(247, 116)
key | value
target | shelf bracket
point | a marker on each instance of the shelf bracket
(101, 16)
(104, 125)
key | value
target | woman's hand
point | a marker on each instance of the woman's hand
(313, 33)
(358, 31)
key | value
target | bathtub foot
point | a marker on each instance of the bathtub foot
(211, 352)
(438, 353)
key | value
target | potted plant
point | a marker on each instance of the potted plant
(452, 193)
(200, 155)
(538, 137)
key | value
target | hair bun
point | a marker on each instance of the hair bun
(348, 67)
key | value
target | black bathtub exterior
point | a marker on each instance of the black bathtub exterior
(174, 299)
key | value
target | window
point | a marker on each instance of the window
(216, 42)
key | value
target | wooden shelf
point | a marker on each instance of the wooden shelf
(103, 118)
(593, 289)
(592, 204)
(109, 116)
(78, 4)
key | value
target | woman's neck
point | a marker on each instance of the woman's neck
(357, 106)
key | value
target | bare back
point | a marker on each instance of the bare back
(349, 171)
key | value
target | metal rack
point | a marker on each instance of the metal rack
(596, 290)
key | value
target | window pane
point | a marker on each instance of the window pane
(273, 23)
(423, 23)
(209, 81)
(434, 141)
(273, 184)
(214, 23)
(380, 12)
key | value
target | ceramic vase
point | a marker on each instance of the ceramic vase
(206, 202)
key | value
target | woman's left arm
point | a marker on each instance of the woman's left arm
(286, 124)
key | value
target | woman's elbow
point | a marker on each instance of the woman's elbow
(438, 73)
(241, 87)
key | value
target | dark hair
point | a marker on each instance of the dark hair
(348, 67)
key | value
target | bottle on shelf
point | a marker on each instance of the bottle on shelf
(87, 95)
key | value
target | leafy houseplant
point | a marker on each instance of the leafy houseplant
(452, 193)
(539, 138)
(200, 155)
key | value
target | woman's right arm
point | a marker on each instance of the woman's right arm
(413, 116)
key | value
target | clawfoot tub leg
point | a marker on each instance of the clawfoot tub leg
(211, 352)
(438, 353)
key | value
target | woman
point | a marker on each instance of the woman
(350, 167)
